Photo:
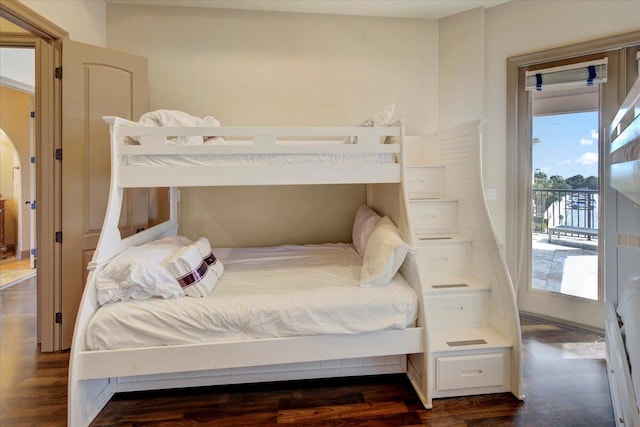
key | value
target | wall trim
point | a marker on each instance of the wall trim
(46, 39)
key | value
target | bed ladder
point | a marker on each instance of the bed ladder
(473, 330)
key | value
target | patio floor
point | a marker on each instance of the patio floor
(568, 265)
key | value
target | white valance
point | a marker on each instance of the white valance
(567, 76)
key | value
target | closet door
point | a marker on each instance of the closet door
(95, 82)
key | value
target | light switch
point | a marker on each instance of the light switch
(491, 193)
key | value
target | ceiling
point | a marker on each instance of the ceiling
(425, 9)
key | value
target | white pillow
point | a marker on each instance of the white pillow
(366, 219)
(139, 273)
(381, 119)
(192, 271)
(383, 256)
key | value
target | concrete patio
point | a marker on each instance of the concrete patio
(568, 265)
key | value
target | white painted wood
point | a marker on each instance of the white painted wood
(439, 340)
(339, 368)
(480, 370)
(166, 359)
(259, 360)
(459, 310)
(622, 392)
(199, 176)
(456, 244)
(425, 182)
(434, 216)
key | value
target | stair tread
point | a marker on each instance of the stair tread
(439, 239)
(425, 165)
(417, 200)
(450, 286)
(439, 340)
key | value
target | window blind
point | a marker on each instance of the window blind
(567, 76)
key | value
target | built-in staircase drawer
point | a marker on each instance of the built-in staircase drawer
(437, 262)
(434, 217)
(458, 310)
(470, 371)
(424, 182)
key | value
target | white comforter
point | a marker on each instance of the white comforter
(264, 293)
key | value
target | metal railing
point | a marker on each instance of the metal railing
(572, 208)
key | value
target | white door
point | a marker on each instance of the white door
(568, 217)
(95, 82)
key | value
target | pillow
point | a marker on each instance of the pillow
(139, 273)
(381, 119)
(192, 271)
(383, 256)
(366, 219)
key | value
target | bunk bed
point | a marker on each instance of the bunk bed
(622, 302)
(144, 156)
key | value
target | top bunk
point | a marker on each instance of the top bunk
(624, 148)
(151, 156)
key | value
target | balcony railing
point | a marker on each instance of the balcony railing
(571, 208)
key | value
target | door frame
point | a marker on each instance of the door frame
(45, 37)
(518, 188)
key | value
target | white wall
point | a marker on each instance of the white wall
(525, 26)
(461, 59)
(84, 20)
(261, 68)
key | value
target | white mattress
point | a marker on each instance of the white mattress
(258, 159)
(272, 292)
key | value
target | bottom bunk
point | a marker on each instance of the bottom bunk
(257, 314)
(622, 324)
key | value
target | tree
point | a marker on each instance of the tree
(540, 180)
(576, 181)
(591, 182)
(558, 183)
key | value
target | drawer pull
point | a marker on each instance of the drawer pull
(419, 181)
(472, 373)
(439, 258)
(425, 216)
(457, 308)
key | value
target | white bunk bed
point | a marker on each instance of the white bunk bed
(622, 305)
(377, 160)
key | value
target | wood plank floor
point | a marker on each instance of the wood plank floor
(564, 380)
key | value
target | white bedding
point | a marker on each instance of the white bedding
(257, 159)
(271, 292)
(629, 311)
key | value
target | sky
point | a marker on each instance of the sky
(568, 144)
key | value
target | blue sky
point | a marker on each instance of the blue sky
(568, 144)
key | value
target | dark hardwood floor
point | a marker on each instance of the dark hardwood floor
(564, 379)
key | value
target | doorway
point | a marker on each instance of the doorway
(593, 209)
(17, 177)
(565, 192)
(21, 27)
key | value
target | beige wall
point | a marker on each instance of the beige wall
(84, 20)
(461, 59)
(14, 121)
(525, 26)
(259, 68)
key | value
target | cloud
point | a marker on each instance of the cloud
(594, 134)
(585, 141)
(564, 162)
(588, 158)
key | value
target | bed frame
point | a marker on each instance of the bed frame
(94, 376)
(624, 169)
